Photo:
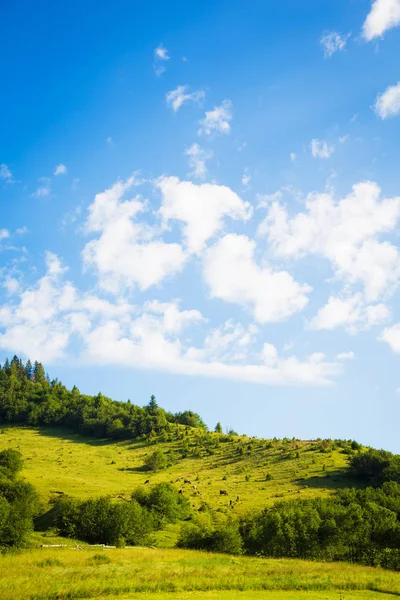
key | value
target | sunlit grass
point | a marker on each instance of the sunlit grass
(156, 573)
(58, 461)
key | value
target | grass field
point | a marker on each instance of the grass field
(145, 573)
(59, 461)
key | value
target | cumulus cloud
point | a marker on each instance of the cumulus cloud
(346, 232)
(232, 274)
(217, 121)
(202, 208)
(332, 42)
(351, 313)
(197, 160)
(388, 104)
(177, 97)
(46, 318)
(60, 170)
(32, 326)
(384, 15)
(5, 173)
(391, 335)
(127, 253)
(320, 149)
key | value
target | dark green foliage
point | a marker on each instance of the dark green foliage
(218, 428)
(104, 521)
(156, 461)
(10, 462)
(101, 521)
(18, 502)
(356, 525)
(223, 537)
(376, 466)
(27, 396)
(164, 502)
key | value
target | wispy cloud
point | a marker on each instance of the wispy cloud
(177, 98)
(197, 160)
(5, 173)
(160, 56)
(320, 149)
(60, 170)
(332, 42)
(217, 121)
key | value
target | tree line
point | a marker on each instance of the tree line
(28, 396)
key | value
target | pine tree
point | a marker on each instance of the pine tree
(29, 370)
(218, 428)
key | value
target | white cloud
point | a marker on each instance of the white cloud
(320, 149)
(346, 355)
(345, 232)
(47, 317)
(391, 335)
(333, 42)
(160, 56)
(127, 253)
(233, 275)
(229, 343)
(217, 121)
(177, 98)
(292, 156)
(161, 53)
(33, 326)
(351, 313)
(388, 104)
(11, 285)
(60, 170)
(201, 207)
(197, 160)
(4, 234)
(22, 230)
(384, 15)
(5, 173)
(246, 178)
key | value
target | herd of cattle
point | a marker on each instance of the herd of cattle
(199, 493)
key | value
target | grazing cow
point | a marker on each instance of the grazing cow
(230, 502)
(194, 487)
(180, 492)
(147, 481)
(199, 493)
(237, 498)
(187, 481)
(223, 493)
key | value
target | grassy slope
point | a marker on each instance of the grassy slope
(162, 574)
(58, 461)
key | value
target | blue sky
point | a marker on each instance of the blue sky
(201, 201)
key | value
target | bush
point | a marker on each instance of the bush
(156, 461)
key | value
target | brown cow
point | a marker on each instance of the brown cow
(237, 498)
(187, 481)
(223, 493)
(147, 481)
(180, 492)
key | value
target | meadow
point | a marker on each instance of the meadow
(259, 471)
(149, 573)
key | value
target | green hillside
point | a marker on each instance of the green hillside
(258, 471)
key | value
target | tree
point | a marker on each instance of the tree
(11, 461)
(218, 428)
(156, 461)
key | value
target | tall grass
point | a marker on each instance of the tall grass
(50, 574)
